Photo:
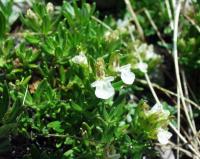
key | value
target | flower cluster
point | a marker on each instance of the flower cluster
(111, 35)
(124, 25)
(147, 52)
(163, 135)
(104, 88)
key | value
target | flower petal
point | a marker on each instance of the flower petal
(163, 136)
(157, 108)
(104, 90)
(127, 77)
(95, 83)
(142, 67)
(122, 123)
(125, 68)
(109, 79)
(129, 118)
(80, 59)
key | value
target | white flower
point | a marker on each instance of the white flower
(122, 123)
(129, 118)
(50, 7)
(80, 59)
(104, 89)
(163, 136)
(107, 34)
(111, 35)
(147, 51)
(30, 14)
(142, 67)
(157, 108)
(122, 25)
(150, 54)
(127, 76)
(131, 28)
(142, 48)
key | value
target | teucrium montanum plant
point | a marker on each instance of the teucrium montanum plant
(69, 106)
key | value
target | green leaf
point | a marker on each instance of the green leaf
(13, 112)
(44, 92)
(46, 24)
(33, 39)
(68, 153)
(116, 112)
(4, 145)
(2, 24)
(105, 114)
(76, 107)
(59, 52)
(62, 74)
(6, 129)
(118, 85)
(25, 80)
(70, 10)
(4, 101)
(56, 125)
(2, 62)
(36, 153)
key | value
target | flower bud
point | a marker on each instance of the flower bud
(142, 67)
(129, 118)
(163, 136)
(111, 35)
(80, 59)
(50, 7)
(114, 62)
(30, 14)
(100, 66)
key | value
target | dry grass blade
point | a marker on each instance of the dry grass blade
(155, 27)
(192, 22)
(177, 10)
(139, 28)
(169, 93)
